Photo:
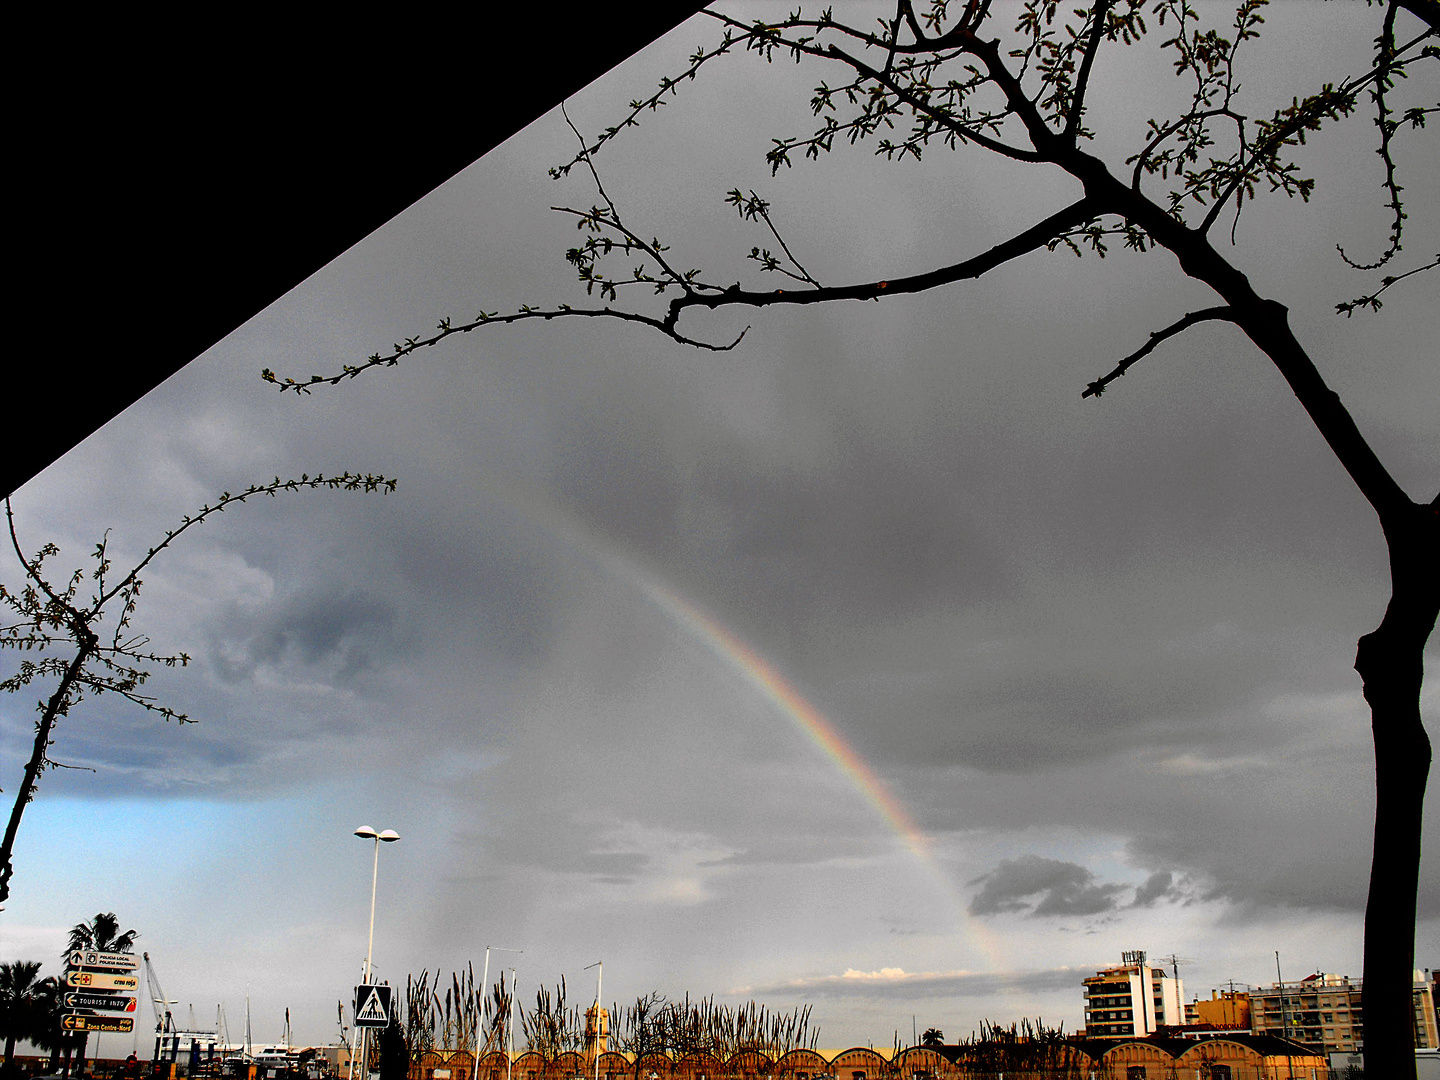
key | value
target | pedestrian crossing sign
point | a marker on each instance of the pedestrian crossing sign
(372, 1005)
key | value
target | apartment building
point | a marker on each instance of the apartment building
(1226, 1010)
(1319, 1010)
(1131, 1000)
(1326, 1011)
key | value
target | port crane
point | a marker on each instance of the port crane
(164, 1021)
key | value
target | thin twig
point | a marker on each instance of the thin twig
(1096, 388)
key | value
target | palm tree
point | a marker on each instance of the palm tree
(20, 1012)
(102, 934)
(932, 1037)
(48, 1035)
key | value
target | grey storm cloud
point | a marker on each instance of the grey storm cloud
(864, 536)
(1158, 886)
(1038, 887)
(345, 628)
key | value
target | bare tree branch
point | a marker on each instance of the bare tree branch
(1033, 238)
(1096, 388)
(1087, 63)
(1372, 300)
(118, 668)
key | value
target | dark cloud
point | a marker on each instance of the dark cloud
(341, 628)
(1158, 886)
(1040, 886)
(782, 545)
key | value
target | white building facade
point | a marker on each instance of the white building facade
(1132, 1000)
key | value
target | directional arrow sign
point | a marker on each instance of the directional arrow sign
(97, 1023)
(96, 980)
(80, 999)
(93, 958)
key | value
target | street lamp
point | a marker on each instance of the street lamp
(510, 1054)
(389, 836)
(485, 998)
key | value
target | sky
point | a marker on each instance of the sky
(864, 666)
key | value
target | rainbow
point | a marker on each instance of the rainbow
(765, 678)
(762, 675)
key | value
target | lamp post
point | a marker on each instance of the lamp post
(389, 836)
(510, 1054)
(485, 998)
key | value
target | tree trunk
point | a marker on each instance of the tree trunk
(55, 708)
(1390, 660)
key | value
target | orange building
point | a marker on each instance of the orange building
(1225, 1009)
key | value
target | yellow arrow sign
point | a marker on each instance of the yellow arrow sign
(97, 980)
(97, 1023)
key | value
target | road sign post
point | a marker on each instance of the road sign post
(84, 1022)
(94, 958)
(372, 1005)
(95, 983)
(99, 980)
(92, 1001)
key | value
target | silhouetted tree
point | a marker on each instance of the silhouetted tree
(48, 1035)
(952, 74)
(54, 619)
(21, 1005)
(101, 933)
(932, 1037)
(394, 1054)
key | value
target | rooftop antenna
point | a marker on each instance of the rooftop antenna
(1136, 958)
(1175, 962)
(1284, 1021)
